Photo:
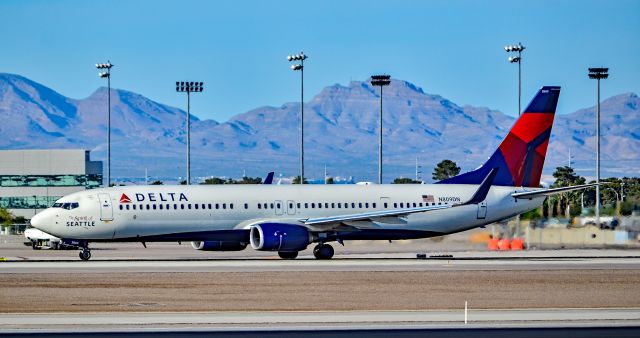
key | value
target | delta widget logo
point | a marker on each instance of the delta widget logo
(125, 199)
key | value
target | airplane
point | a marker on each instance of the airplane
(288, 218)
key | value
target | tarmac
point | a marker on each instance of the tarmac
(368, 285)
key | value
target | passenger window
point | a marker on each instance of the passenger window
(195, 205)
(259, 206)
(298, 205)
(217, 206)
(366, 205)
(271, 205)
(246, 206)
(326, 205)
(148, 207)
(189, 206)
(278, 205)
(154, 207)
(313, 205)
(401, 205)
(420, 204)
(127, 206)
(339, 205)
(374, 205)
(182, 206)
(168, 206)
(175, 207)
(265, 206)
(160, 206)
(414, 204)
(290, 205)
(386, 205)
(231, 206)
(333, 205)
(134, 207)
(209, 205)
(120, 207)
(306, 205)
(224, 205)
(319, 205)
(360, 205)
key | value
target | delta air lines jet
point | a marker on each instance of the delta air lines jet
(288, 218)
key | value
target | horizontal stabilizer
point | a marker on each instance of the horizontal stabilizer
(547, 192)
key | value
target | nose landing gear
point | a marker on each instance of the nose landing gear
(85, 254)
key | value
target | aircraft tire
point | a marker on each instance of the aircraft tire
(85, 255)
(288, 254)
(324, 251)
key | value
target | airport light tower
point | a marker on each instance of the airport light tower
(189, 87)
(380, 81)
(517, 59)
(300, 66)
(598, 74)
(107, 74)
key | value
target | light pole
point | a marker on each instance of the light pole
(598, 74)
(189, 87)
(381, 81)
(107, 74)
(517, 59)
(300, 66)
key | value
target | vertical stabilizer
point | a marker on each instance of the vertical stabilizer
(520, 156)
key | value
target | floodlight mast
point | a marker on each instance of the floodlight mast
(189, 87)
(107, 74)
(599, 73)
(381, 81)
(300, 57)
(517, 59)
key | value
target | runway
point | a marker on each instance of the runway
(313, 265)
(174, 289)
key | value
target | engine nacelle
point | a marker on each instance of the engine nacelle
(218, 246)
(279, 237)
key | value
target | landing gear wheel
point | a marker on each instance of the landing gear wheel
(85, 255)
(288, 254)
(323, 251)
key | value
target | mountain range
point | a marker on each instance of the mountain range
(341, 133)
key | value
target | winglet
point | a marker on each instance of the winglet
(269, 178)
(483, 189)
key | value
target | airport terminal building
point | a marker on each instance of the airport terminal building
(31, 180)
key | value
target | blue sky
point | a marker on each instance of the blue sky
(239, 48)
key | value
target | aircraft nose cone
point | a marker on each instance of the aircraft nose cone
(41, 221)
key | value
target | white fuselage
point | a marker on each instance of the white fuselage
(127, 213)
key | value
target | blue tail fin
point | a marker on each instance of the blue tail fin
(520, 156)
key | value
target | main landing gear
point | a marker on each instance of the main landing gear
(323, 251)
(85, 254)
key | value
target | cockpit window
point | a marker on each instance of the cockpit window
(68, 206)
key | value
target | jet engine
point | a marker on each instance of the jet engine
(279, 237)
(218, 246)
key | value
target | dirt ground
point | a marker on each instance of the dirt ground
(316, 291)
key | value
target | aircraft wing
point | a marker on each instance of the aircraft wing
(547, 192)
(477, 197)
